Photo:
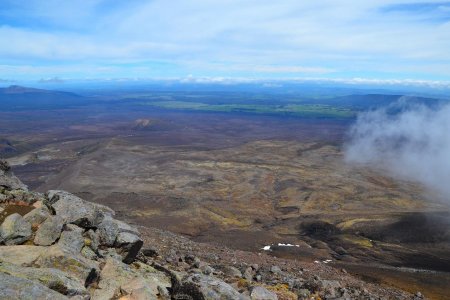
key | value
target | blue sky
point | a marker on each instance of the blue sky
(376, 40)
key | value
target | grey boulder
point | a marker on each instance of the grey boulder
(15, 230)
(63, 259)
(49, 231)
(200, 286)
(21, 255)
(129, 245)
(20, 288)
(72, 239)
(54, 279)
(75, 210)
(107, 231)
(37, 216)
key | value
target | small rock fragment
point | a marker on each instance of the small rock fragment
(261, 293)
(276, 270)
(231, 271)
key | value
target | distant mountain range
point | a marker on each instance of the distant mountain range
(14, 98)
(23, 98)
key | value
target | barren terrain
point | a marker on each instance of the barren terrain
(242, 181)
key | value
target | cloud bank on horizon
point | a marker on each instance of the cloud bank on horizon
(409, 141)
(385, 39)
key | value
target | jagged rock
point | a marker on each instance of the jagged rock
(207, 270)
(8, 180)
(261, 293)
(205, 287)
(119, 278)
(104, 209)
(92, 240)
(56, 280)
(19, 288)
(62, 259)
(137, 289)
(4, 166)
(248, 274)
(124, 227)
(107, 231)
(110, 252)
(15, 230)
(175, 277)
(188, 258)
(231, 271)
(24, 197)
(72, 239)
(163, 293)
(88, 253)
(276, 270)
(21, 255)
(54, 196)
(150, 252)
(18, 196)
(340, 250)
(303, 294)
(153, 277)
(330, 287)
(418, 296)
(37, 216)
(129, 245)
(75, 210)
(49, 231)
(197, 262)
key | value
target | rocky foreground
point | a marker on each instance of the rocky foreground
(58, 246)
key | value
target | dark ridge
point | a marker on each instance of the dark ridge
(16, 97)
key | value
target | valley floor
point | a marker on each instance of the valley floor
(240, 183)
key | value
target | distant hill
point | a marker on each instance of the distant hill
(23, 98)
(368, 101)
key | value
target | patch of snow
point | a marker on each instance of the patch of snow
(267, 248)
(285, 245)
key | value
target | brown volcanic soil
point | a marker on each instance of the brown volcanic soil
(247, 187)
(269, 192)
(246, 183)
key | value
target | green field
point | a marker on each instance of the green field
(300, 110)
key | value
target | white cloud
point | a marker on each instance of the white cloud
(413, 144)
(291, 36)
